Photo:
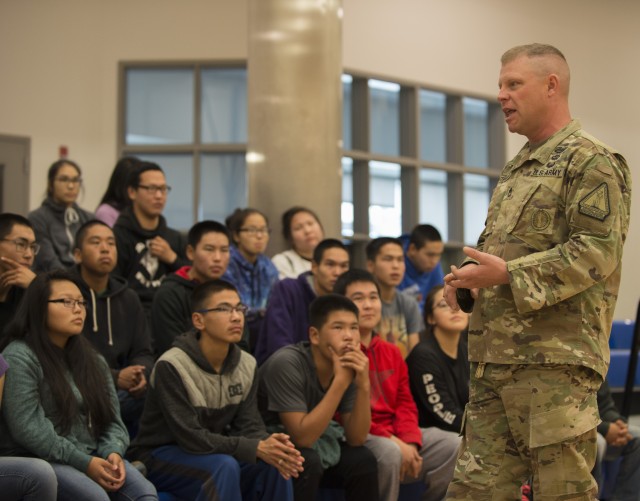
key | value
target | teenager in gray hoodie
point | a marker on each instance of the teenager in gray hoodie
(56, 221)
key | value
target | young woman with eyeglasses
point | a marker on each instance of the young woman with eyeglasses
(250, 270)
(439, 365)
(59, 400)
(59, 217)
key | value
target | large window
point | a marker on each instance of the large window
(412, 154)
(191, 119)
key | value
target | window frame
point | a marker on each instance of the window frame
(409, 157)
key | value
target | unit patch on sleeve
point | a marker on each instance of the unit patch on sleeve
(540, 219)
(596, 203)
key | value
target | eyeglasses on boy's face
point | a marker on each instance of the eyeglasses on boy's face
(227, 309)
(70, 303)
(154, 188)
(22, 245)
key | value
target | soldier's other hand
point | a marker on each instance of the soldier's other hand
(449, 292)
(489, 270)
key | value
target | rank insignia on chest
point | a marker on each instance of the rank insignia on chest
(596, 203)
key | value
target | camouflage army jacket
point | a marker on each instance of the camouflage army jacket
(558, 216)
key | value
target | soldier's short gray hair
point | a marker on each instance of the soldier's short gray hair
(531, 50)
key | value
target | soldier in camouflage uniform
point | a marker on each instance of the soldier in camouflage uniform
(545, 275)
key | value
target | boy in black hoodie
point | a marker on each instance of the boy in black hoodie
(208, 249)
(115, 323)
(147, 248)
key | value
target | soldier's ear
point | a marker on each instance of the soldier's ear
(552, 84)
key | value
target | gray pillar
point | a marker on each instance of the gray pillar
(295, 109)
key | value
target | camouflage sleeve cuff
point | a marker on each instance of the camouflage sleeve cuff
(528, 279)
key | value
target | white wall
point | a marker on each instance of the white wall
(58, 65)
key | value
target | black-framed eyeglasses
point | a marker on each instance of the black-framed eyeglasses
(242, 309)
(22, 245)
(153, 188)
(70, 303)
(256, 231)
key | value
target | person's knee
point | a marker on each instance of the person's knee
(40, 477)
(389, 457)
(48, 478)
(225, 467)
(312, 463)
(366, 461)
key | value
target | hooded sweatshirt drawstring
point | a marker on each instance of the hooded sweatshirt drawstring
(95, 315)
(109, 320)
(94, 309)
(71, 219)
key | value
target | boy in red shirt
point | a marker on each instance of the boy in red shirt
(404, 451)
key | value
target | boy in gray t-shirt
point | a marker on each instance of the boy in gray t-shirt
(401, 321)
(304, 386)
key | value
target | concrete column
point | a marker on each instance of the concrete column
(295, 110)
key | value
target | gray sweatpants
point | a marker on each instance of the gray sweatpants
(439, 452)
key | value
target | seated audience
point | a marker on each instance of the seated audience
(60, 403)
(208, 249)
(147, 248)
(405, 452)
(302, 230)
(287, 318)
(116, 198)
(56, 221)
(401, 321)
(250, 270)
(18, 249)
(439, 365)
(423, 249)
(29, 479)
(616, 438)
(116, 325)
(302, 386)
(201, 435)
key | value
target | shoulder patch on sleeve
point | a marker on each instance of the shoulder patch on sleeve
(596, 203)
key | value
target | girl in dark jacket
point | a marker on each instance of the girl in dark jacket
(439, 365)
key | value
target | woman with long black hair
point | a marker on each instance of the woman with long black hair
(59, 400)
(116, 197)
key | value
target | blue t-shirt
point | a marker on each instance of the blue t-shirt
(417, 283)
